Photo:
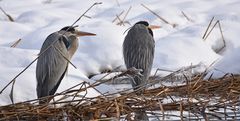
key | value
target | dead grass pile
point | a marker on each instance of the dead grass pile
(195, 99)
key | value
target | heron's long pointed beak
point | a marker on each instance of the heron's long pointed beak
(81, 33)
(154, 27)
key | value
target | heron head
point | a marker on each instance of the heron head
(149, 27)
(73, 31)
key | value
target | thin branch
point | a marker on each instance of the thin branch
(210, 23)
(117, 109)
(186, 17)
(162, 109)
(89, 17)
(117, 16)
(127, 13)
(181, 111)
(11, 93)
(122, 21)
(221, 32)
(65, 57)
(224, 42)
(161, 18)
(97, 3)
(14, 79)
(211, 30)
(16, 43)
(9, 17)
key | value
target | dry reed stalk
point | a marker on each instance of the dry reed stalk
(11, 92)
(66, 58)
(117, 16)
(161, 18)
(89, 17)
(14, 79)
(210, 23)
(122, 21)
(117, 110)
(16, 43)
(162, 110)
(127, 13)
(187, 17)
(224, 42)
(211, 30)
(9, 17)
(181, 110)
(206, 34)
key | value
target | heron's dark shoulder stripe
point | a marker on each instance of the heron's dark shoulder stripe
(65, 41)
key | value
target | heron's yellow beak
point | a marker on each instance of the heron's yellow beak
(81, 33)
(154, 27)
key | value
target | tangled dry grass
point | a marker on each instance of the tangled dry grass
(194, 99)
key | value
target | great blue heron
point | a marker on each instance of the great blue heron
(53, 64)
(138, 51)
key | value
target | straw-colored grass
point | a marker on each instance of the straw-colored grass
(195, 98)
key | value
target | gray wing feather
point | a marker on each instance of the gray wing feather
(138, 52)
(51, 66)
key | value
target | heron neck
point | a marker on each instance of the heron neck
(73, 47)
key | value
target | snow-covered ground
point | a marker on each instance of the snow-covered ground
(175, 47)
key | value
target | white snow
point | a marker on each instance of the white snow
(175, 47)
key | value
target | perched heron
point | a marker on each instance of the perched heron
(138, 51)
(53, 64)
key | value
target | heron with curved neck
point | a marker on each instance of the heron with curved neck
(53, 64)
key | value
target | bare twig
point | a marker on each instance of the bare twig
(161, 18)
(127, 13)
(211, 30)
(89, 17)
(66, 58)
(9, 17)
(97, 3)
(162, 109)
(181, 110)
(186, 17)
(16, 43)
(206, 34)
(224, 42)
(11, 93)
(117, 16)
(210, 23)
(122, 21)
(14, 79)
(117, 110)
